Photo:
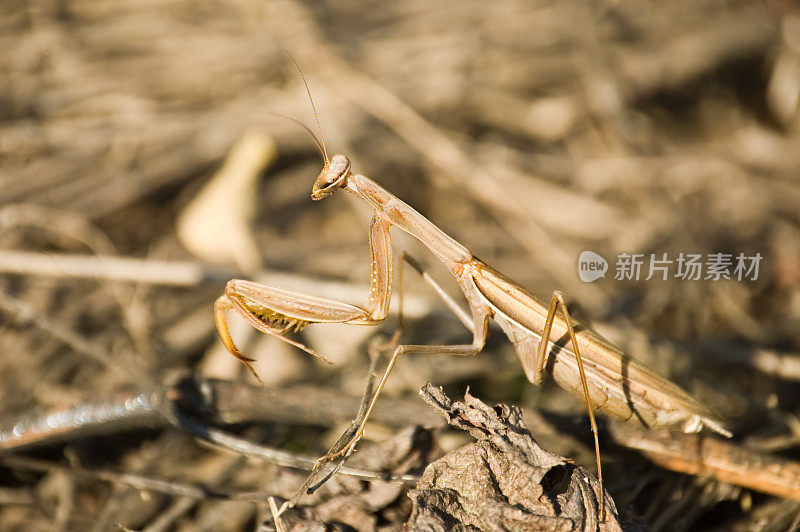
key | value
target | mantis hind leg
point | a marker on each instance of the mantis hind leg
(521, 343)
(541, 360)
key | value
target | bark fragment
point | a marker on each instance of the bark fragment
(503, 481)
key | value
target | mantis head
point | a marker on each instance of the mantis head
(332, 177)
(334, 174)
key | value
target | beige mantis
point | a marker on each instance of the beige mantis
(580, 360)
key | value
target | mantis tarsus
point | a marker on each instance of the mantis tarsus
(580, 360)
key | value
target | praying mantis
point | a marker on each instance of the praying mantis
(579, 359)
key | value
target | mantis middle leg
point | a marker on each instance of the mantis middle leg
(480, 327)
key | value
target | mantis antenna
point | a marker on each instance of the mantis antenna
(320, 146)
(313, 107)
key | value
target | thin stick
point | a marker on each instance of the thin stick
(276, 518)
(231, 402)
(79, 343)
(228, 441)
(694, 454)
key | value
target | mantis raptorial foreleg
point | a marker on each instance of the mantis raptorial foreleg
(277, 312)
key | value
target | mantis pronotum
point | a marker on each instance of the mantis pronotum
(580, 360)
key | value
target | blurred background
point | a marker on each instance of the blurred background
(528, 131)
